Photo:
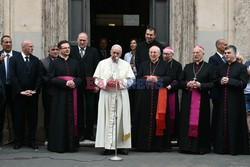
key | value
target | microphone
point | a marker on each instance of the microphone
(116, 60)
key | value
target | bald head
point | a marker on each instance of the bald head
(198, 53)
(27, 47)
(154, 53)
(82, 40)
(221, 45)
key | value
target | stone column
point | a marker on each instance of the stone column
(242, 27)
(1, 17)
(55, 22)
(182, 29)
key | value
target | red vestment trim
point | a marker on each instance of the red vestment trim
(161, 112)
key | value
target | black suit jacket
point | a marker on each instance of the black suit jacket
(24, 78)
(88, 63)
(2, 94)
(47, 88)
(2, 67)
(216, 61)
(102, 56)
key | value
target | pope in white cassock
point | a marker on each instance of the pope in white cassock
(113, 76)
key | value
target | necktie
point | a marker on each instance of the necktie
(132, 60)
(104, 53)
(82, 52)
(27, 62)
(7, 68)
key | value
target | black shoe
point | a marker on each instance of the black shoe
(108, 152)
(17, 146)
(90, 137)
(201, 153)
(122, 151)
(81, 138)
(33, 145)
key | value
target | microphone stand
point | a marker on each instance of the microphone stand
(115, 158)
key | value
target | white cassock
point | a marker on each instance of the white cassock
(105, 135)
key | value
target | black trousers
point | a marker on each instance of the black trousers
(25, 110)
(8, 102)
(47, 102)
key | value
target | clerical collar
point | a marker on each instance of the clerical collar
(155, 61)
(199, 62)
(65, 58)
(149, 42)
(51, 58)
(232, 62)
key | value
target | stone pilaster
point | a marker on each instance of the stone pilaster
(242, 27)
(55, 22)
(182, 29)
(1, 17)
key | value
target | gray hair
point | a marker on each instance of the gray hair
(52, 45)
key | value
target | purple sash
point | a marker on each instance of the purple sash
(67, 78)
(194, 113)
(171, 107)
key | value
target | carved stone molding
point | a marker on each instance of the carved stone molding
(242, 27)
(55, 22)
(182, 29)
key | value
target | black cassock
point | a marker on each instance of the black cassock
(175, 69)
(231, 132)
(61, 135)
(144, 121)
(207, 77)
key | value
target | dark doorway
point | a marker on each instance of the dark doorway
(119, 21)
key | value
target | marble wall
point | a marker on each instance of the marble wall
(242, 27)
(54, 22)
(182, 29)
(1, 18)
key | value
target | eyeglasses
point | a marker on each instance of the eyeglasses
(66, 48)
(167, 53)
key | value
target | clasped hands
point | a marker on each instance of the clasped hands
(224, 80)
(28, 92)
(152, 78)
(2, 56)
(71, 84)
(112, 82)
(193, 84)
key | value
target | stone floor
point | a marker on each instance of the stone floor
(88, 156)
